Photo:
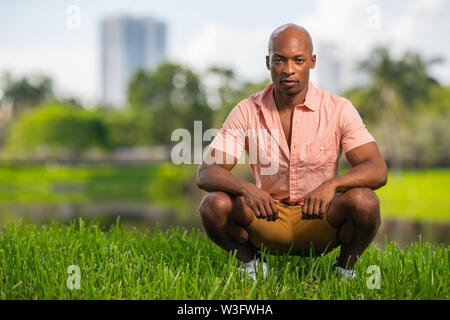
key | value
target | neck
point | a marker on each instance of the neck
(286, 102)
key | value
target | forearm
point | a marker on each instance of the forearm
(370, 174)
(216, 178)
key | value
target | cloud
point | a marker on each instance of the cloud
(223, 45)
(420, 25)
(353, 26)
(74, 69)
(341, 22)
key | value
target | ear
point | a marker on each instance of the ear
(313, 61)
(268, 62)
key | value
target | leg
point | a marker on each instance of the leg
(356, 213)
(225, 218)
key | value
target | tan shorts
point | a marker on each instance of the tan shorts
(290, 230)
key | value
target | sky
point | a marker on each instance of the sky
(39, 37)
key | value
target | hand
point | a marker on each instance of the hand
(260, 202)
(318, 201)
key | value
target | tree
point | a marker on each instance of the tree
(226, 91)
(128, 127)
(393, 92)
(174, 97)
(55, 130)
(25, 92)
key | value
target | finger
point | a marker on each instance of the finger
(274, 209)
(316, 210)
(270, 214)
(323, 209)
(305, 208)
(255, 210)
(327, 207)
(262, 210)
(311, 203)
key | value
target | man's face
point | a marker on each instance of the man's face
(289, 62)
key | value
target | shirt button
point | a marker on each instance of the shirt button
(293, 169)
(321, 148)
(293, 192)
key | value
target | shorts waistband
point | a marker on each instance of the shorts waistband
(299, 202)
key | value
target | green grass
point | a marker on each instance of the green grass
(417, 195)
(178, 264)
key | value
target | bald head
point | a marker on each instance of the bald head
(290, 59)
(290, 31)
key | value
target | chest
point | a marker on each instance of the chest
(294, 130)
(286, 124)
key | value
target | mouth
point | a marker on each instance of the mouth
(289, 83)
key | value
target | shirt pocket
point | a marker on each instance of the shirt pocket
(321, 156)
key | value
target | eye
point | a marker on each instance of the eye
(299, 60)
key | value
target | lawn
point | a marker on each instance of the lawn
(116, 263)
(417, 195)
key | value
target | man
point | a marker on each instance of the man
(303, 204)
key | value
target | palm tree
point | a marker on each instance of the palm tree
(24, 92)
(391, 94)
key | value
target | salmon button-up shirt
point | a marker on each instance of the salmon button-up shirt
(322, 127)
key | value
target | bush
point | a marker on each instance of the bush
(128, 127)
(55, 130)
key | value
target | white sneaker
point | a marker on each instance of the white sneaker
(251, 268)
(350, 273)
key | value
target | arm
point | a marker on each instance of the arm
(368, 166)
(218, 177)
(368, 170)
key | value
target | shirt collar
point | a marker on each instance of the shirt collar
(266, 99)
(311, 101)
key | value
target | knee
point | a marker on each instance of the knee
(365, 207)
(215, 207)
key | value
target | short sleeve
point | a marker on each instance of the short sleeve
(353, 131)
(231, 137)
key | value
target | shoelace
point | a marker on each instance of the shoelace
(344, 272)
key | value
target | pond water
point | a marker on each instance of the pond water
(404, 232)
(167, 195)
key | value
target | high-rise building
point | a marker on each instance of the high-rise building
(337, 70)
(329, 67)
(128, 43)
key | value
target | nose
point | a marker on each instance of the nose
(289, 68)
